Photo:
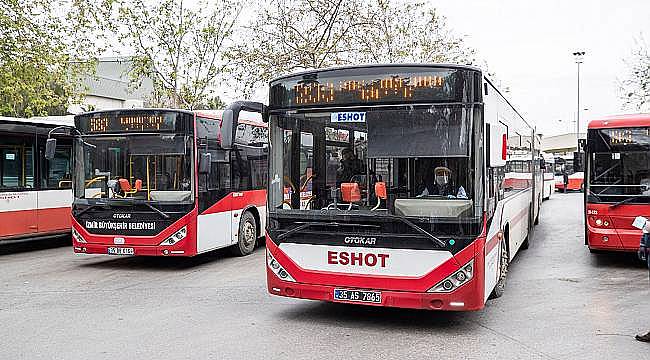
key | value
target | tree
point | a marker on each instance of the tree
(182, 49)
(635, 88)
(309, 34)
(293, 35)
(38, 40)
(408, 32)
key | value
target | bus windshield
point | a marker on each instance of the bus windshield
(422, 154)
(134, 166)
(620, 165)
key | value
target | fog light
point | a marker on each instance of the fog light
(606, 223)
(598, 222)
(605, 239)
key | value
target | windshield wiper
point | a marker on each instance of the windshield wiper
(91, 207)
(633, 197)
(435, 239)
(162, 213)
(303, 226)
(147, 204)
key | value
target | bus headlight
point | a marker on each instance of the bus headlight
(175, 237)
(455, 280)
(77, 237)
(277, 269)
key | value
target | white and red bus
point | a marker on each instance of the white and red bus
(413, 210)
(548, 175)
(618, 181)
(572, 164)
(35, 194)
(168, 182)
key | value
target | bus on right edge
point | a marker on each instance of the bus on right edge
(617, 181)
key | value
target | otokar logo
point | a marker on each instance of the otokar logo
(360, 240)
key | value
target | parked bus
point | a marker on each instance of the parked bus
(573, 165)
(35, 194)
(549, 175)
(413, 210)
(168, 182)
(618, 181)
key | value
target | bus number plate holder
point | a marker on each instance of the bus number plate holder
(120, 251)
(363, 296)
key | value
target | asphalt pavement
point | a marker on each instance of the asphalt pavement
(561, 302)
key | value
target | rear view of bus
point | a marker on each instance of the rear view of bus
(167, 183)
(618, 181)
(387, 187)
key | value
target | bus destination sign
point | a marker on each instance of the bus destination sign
(127, 122)
(339, 89)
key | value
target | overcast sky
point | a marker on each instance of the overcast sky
(530, 45)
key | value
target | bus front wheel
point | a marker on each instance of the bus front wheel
(504, 260)
(247, 235)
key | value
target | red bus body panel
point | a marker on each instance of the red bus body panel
(619, 235)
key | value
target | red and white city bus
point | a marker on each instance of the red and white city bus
(168, 182)
(618, 181)
(572, 164)
(409, 207)
(548, 175)
(35, 194)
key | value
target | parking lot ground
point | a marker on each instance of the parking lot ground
(561, 302)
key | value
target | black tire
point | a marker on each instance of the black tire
(247, 236)
(526, 244)
(504, 261)
(539, 209)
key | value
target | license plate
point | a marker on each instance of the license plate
(120, 251)
(358, 296)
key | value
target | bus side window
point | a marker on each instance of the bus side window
(56, 173)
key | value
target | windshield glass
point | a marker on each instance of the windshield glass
(620, 165)
(141, 167)
(333, 162)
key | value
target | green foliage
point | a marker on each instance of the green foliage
(38, 40)
(635, 89)
(181, 48)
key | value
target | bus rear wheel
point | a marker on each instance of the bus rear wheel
(247, 235)
(504, 260)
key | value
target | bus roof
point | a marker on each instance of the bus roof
(42, 120)
(366, 66)
(618, 121)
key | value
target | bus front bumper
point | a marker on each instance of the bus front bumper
(137, 250)
(463, 299)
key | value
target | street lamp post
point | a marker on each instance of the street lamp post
(578, 55)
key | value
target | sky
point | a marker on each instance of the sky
(529, 46)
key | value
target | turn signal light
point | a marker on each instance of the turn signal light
(77, 237)
(277, 269)
(455, 280)
(600, 221)
(176, 237)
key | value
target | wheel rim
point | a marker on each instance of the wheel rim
(249, 234)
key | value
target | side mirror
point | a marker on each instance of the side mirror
(227, 120)
(50, 148)
(205, 163)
